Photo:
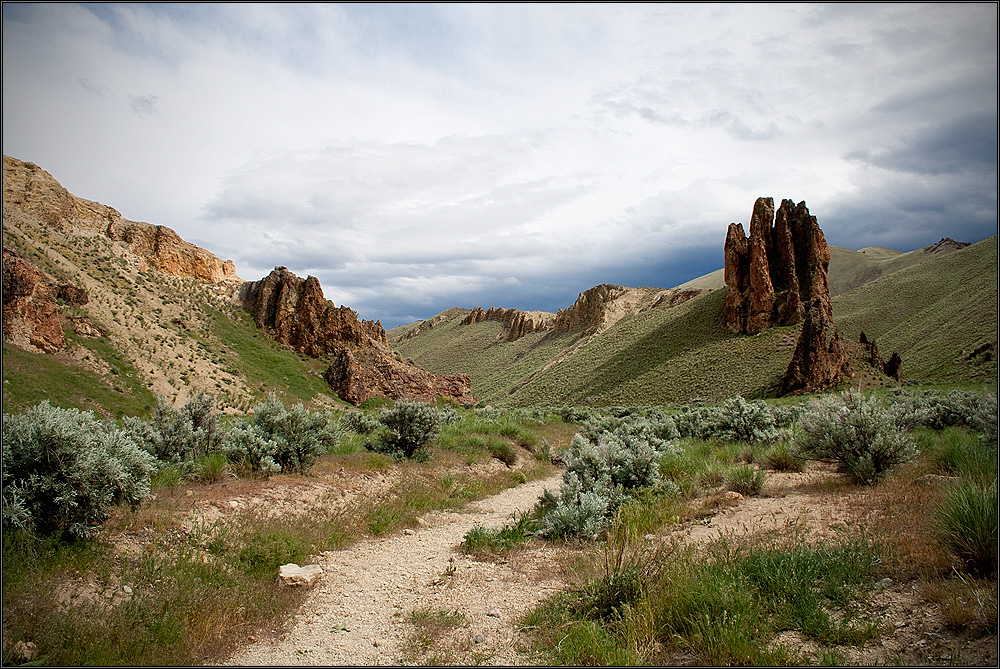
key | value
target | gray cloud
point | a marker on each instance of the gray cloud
(967, 144)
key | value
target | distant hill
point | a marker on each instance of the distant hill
(139, 312)
(935, 311)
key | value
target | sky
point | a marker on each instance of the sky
(417, 157)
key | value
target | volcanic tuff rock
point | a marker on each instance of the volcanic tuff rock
(30, 319)
(594, 311)
(296, 313)
(519, 323)
(778, 270)
(360, 374)
(778, 276)
(295, 310)
(34, 191)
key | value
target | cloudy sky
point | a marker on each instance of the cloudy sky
(417, 157)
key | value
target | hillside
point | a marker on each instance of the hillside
(142, 313)
(157, 315)
(935, 313)
(851, 269)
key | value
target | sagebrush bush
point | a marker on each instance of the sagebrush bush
(182, 435)
(939, 411)
(600, 475)
(967, 522)
(748, 422)
(410, 425)
(859, 434)
(250, 451)
(360, 422)
(291, 438)
(65, 470)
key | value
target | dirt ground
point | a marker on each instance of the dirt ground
(377, 600)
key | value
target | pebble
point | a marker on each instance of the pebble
(494, 613)
(478, 638)
(127, 590)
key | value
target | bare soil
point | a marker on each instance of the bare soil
(416, 598)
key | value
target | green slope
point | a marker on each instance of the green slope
(933, 313)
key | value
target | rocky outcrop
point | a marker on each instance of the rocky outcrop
(778, 276)
(778, 270)
(30, 317)
(893, 367)
(360, 374)
(602, 306)
(295, 312)
(594, 311)
(820, 360)
(31, 190)
(518, 323)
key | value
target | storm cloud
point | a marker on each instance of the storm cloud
(419, 157)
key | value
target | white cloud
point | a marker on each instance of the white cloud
(415, 157)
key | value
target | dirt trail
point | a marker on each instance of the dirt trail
(360, 612)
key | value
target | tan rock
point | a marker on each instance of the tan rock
(32, 190)
(292, 574)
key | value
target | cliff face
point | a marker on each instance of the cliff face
(594, 311)
(33, 190)
(778, 276)
(295, 310)
(602, 306)
(519, 323)
(297, 314)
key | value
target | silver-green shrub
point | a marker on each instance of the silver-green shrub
(600, 476)
(65, 470)
(298, 435)
(360, 422)
(744, 421)
(410, 425)
(863, 437)
(250, 451)
(178, 436)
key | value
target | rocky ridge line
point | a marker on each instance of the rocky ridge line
(34, 191)
(595, 311)
(295, 313)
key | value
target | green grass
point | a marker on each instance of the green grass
(266, 365)
(30, 378)
(720, 609)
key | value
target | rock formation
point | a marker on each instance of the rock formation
(778, 270)
(778, 276)
(360, 374)
(820, 361)
(518, 323)
(30, 318)
(298, 315)
(295, 312)
(891, 367)
(594, 311)
(33, 191)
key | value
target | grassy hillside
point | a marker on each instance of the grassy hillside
(933, 313)
(164, 335)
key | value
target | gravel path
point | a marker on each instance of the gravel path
(360, 612)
